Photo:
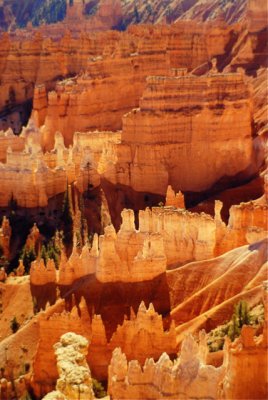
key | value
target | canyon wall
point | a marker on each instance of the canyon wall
(171, 126)
(166, 237)
(82, 103)
(145, 328)
(190, 376)
(107, 14)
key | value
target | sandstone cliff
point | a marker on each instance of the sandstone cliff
(145, 328)
(170, 127)
(115, 59)
(190, 375)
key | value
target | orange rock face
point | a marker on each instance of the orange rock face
(145, 328)
(143, 128)
(165, 379)
(131, 381)
(5, 236)
(115, 60)
(171, 126)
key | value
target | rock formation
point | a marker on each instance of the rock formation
(82, 103)
(171, 126)
(9, 141)
(206, 303)
(190, 375)
(14, 389)
(166, 237)
(157, 134)
(248, 354)
(74, 375)
(139, 255)
(27, 178)
(174, 199)
(145, 328)
(5, 236)
(104, 14)
(145, 335)
(186, 377)
(41, 274)
(247, 224)
(187, 236)
(77, 265)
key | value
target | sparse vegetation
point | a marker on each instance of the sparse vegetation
(14, 325)
(35, 306)
(27, 256)
(98, 389)
(241, 316)
(67, 220)
(51, 251)
(136, 14)
(39, 11)
(3, 260)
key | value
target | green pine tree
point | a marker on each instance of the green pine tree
(242, 313)
(136, 14)
(14, 325)
(233, 330)
(67, 220)
(240, 317)
(27, 256)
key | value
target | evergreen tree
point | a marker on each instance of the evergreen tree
(51, 251)
(136, 14)
(14, 325)
(84, 226)
(3, 260)
(98, 389)
(12, 204)
(233, 330)
(27, 256)
(240, 317)
(67, 220)
(242, 313)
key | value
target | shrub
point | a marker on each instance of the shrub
(14, 325)
(27, 256)
(98, 389)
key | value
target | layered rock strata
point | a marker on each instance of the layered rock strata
(10, 141)
(215, 286)
(115, 59)
(185, 140)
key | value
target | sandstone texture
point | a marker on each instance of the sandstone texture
(74, 375)
(190, 375)
(133, 199)
(170, 126)
(186, 377)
